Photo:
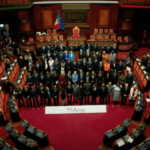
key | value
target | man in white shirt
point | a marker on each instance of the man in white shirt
(51, 62)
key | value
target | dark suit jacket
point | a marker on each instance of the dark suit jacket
(61, 49)
(48, 55)
(99, 56)
(93, 56)
(48, 47)
(100, 67)
(42, 58)
(100, 77)
(107, 79)
(95, 63)
(87, 87)
(69, 89)
(102, 93)
(84, 65)
(55, 47)
(60, 57)
(148, 68)
(87, 55)
(95, 48)
(119, 67)
(42, 79)
(55, 93)
(21, 63)
(68, 64)
(89, 47)
(80, 55)
(55, 77)
(144, 61)
(68, 78)
(41, 89)
(35, 78)
(89, 64)
(54, 55)
(38, 68)
(79, 65)
(113, 67)
(29, 79)
(43, 49)
(114, 78)
(7, 65)
(83, 47)
(108, 49)
(76, 48)
(70, 48)
(56, 64)
(94, 93)
(129, 79)
(48, 78)
(26, 92)
(73, 65)
(125, 91)
(33, 93)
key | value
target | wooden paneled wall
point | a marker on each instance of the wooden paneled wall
(99, 16)
(23, 15)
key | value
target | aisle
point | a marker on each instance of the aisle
(76, 131)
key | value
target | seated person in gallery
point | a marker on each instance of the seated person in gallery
(76, 32)
(127, 62)
(144, 60)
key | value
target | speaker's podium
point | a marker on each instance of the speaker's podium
(76, 38)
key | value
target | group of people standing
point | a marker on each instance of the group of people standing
(56, 70)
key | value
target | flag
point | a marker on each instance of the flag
(59, 24)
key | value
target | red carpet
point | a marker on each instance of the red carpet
(76, 131)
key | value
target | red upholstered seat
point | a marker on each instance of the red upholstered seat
(20, 128)
(10, 142)
(76, 32)
(3, 132)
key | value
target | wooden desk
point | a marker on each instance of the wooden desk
(77, 40)
(102, 42)
(51, 36)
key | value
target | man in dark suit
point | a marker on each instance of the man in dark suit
(87, 90)
(29, 80)
(148, 67)
(100, 78)
(119, 67)
(35, 78)
(61, 48)
(55, 47)
(21, 62)
(84, 65)
(42, 59)
(108, 49)
(34, 95)
(38, 67)
(76, 48)
(73, 66)
(89, 65)
(100, 66)
(7, 64)
(55, 95)
(56, 65)
(89, 46)
(80, 55)
(144, 60)
(107, 79)
(113, 66)
(47, 95)
(55, 78)
(43, 49)
(109, 91)
(83, 47)
(48, 79)
(81, 77)
(42, 78)
(94, 55)
(69, 91)
(68, 65)
(60, 56)
(102, 94)
(99, 55)
(48, 55)
(79, 65)
(48, 48)
(55, 55)
(95, 47)
(114, 77)
(18, 94)
(95, 64)
(26, 95)
(125, 92)
(41, 90)
(70, 47)
(94, 93)
(87, 54)
(68, 77)
(129, 78)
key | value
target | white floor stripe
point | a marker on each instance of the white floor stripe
(75, 109)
